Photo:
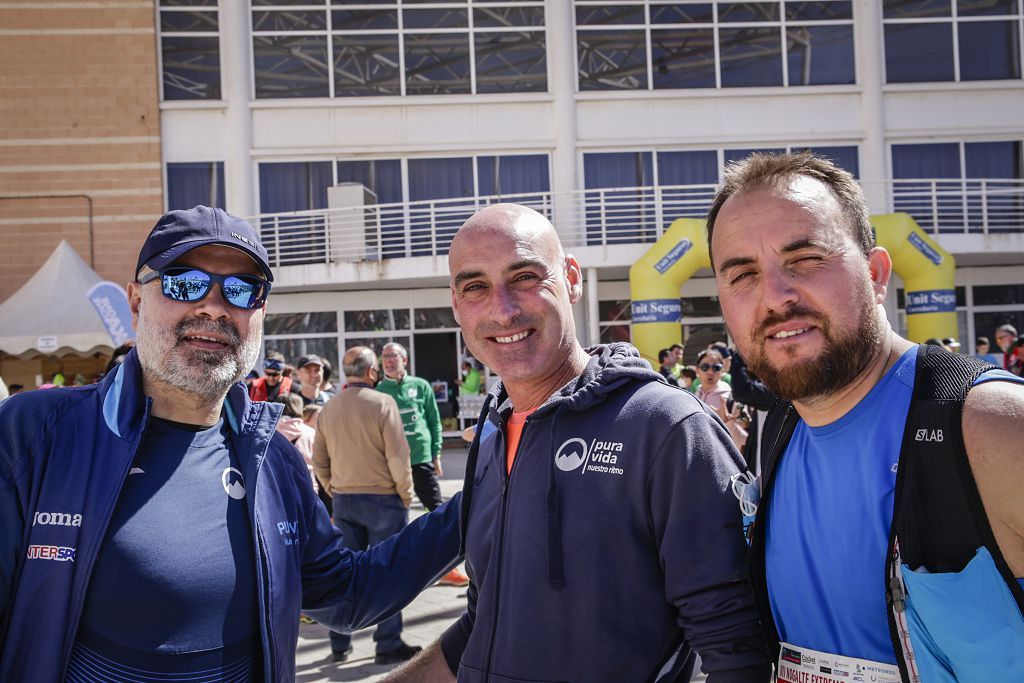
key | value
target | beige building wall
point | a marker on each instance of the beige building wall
(79, 134)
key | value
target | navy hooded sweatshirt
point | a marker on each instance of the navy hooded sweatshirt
(615, 540)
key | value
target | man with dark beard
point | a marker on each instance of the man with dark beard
(890, 526)
(154, 526)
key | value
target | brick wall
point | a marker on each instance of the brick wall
(79, 133)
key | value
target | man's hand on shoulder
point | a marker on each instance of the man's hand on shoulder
(993, 424)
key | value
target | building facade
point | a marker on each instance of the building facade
(360, 134)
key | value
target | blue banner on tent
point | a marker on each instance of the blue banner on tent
(657, 311)
(111, 304)
(931, 301)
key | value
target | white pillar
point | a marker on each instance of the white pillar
(561, 57)
(236, 85)
(593, 312)
(869, 47)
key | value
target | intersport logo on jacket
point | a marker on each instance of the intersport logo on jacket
(597, 456)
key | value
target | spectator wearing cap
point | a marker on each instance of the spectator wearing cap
(1006, 337)
(191, 537)
(311, 374)
(273, 383)
(983, 351)
(951, 344)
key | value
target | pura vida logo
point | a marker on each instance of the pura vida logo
(597, 456)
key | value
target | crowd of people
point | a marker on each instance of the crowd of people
(165, 523)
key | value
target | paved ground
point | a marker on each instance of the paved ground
(424, 620)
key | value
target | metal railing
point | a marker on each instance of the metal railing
(631, 215)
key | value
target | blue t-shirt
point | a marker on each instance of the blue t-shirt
(173, 589)
(828, 527)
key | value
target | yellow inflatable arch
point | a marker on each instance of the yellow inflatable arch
(656, 278)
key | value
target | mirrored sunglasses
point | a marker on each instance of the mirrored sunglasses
(717, 367)
(181, 283)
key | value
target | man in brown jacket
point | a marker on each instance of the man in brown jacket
(361, 450)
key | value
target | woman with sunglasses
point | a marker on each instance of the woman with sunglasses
(717, 394)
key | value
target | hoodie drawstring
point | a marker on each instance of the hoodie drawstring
(556, 569)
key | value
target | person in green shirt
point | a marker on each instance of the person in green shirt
(471, 380)
(422, 425)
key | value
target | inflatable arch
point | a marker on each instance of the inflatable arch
(926, 268)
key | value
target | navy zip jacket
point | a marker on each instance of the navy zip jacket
(615, 542)
(67, 452)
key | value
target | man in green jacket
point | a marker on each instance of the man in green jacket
(422, 425)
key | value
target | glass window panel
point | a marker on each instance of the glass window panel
(843, 157)
(998, 295)
(191, 68)
(513, 174)
(362, 19)
(435, 18)
(382, 176)
(915, 9)
(610, 15)
(918, 53)
(619, 216)
(188, 22)
(811, 11)
(291, 20)
(701, 307)
(748, 11)
(487, 17)
(614, 333)
(376, 343)
(511, 62)
(433, 318)
(994, 159)
(437, 64)
(989, 50)
(687, 168)
(190, 184)
(696, 338)
(683, 13)
(975, 8)
(614, 310)
(612, 60)
(617, 169)
(731, 155)
(683, 58)
(300, 323)
(366, 65)
(820, 55)
(750, 56)
(294, 349)
(290, 66)
(432, 228)
(378, 320)
(926, 160)
(188, 3)
(265, 3)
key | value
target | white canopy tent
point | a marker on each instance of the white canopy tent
(50, 314)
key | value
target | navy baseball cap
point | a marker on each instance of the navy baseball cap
(310, 360)
(178, 232)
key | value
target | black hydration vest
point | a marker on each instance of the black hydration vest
(938, 521)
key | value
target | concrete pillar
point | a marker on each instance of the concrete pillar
(562, 84)
(593, 312)
(870, 51)
(236, 88)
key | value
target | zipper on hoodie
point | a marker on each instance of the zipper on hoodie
(503, 513)
(262, 575)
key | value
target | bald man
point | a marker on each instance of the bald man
(601, 532)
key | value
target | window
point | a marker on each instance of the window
(295, 186)
(190, 50)
(195, 183)
(634, 196)
(301, 334)
(952, 40)
(660, 45)
(336, 48)
(960, 186)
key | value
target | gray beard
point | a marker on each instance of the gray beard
(207, 375)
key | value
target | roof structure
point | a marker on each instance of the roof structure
(51, 314)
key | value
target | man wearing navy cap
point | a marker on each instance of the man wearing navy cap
(155, 525)
(311, 374)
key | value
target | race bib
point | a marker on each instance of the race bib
(803, 665)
